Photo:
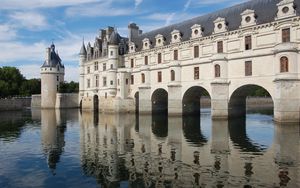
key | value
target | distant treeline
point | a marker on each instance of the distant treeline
(13, 83)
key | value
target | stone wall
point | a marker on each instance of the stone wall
(15, 103)
(36, 101)
(67, 100)
(63, 100)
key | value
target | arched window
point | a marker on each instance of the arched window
(284, 64)
(217, 71)
(172, 75)
(143, 77)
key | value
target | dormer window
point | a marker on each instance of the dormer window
(146, 44)
(220, 25)
(286, 9)
(248, 18)
(176, 36)
(159, 40)
(132, 47)
(196, 31)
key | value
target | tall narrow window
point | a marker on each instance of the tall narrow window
(143, 77)
(131, 63)
(286, 35)
(172, 75)
(248, 42)
(175, 54)
(126, 81)
(284, 64)
(88, 70)
(88, 83)
(217, 71)
(146, 60)
(104, 81)
(159, 58)
(248, 68)
(96, 65)
(104, 66)
(57, 78)
(196, 73)
(97, 81)
(132, 79)
(220, 46)
(159, 76)
(196, 51)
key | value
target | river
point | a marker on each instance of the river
(69, 148)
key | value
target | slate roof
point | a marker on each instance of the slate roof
(54, 59)
(83, 49)
(265, 10)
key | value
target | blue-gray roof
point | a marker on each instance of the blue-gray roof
(265, 11)
(54, 59)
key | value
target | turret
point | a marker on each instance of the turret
(82, 59)
(52, 74)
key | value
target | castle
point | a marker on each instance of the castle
(224, 54)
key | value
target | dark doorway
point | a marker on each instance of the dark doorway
(96, 103)
(159, 101)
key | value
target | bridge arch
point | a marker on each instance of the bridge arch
(237, 100)
(159, 101)
(191, 104)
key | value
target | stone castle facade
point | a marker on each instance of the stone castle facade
(224, 54)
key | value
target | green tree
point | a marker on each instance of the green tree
(30, 87)
(72, 87)
(11, 79)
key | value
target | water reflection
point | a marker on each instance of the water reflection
(122, 150)
(53, 136)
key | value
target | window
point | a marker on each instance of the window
(57, 78)
(146, 60)
(57, 87)
(104, 66)
(131, 63)
(111, 82)
(96, 66)
(111, 66)
(88, 83)
(88, 70)
(172, 75)
(126, 81)
(97, 81)
(111, 53)
(143, 77)
(217, 71)
(284, 64)
(175, 54)
(132, 79)
(248, 68)
(248, 42)
(118, 82)
(104, 81)
(286, 35)
(159, 58)
(196, 51)
(220, 46)
(159, 76)
(196, 73)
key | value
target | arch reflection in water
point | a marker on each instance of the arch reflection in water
(53, 136)
(117, 154)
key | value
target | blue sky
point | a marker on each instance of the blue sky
(27, 27)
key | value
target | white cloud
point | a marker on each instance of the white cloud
(187, 5)
(33, 4)
(7, 32)
(29, 20)
(137, 3)
(99, 9)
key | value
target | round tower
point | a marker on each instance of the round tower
(52, 74)
(82, 59)
(113, 59)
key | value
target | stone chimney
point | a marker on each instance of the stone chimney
(133, 31)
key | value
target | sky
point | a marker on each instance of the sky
(27, 27)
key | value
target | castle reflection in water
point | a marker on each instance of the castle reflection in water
(161, 151)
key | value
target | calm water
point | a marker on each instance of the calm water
(67, 149)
